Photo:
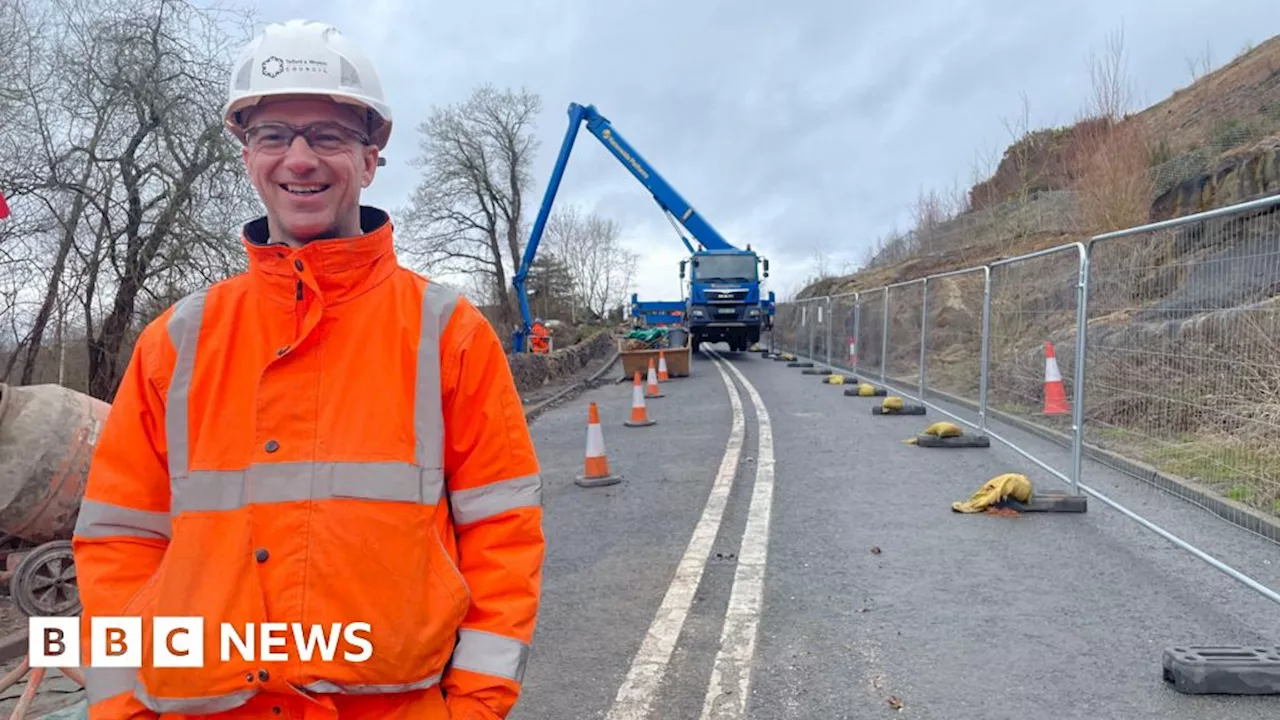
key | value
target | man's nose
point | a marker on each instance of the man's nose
(300, 156)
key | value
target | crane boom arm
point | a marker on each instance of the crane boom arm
(676, 207)
(665, 195)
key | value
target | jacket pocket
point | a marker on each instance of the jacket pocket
(449, 574)
(208, 573)
(380, 563)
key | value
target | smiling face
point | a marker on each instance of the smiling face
(310, 192)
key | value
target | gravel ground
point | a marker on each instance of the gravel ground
(56, 691)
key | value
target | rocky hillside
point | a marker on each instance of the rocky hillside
(1183, 372)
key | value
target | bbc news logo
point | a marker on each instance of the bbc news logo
(178, 642)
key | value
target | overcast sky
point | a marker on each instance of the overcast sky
(790, 130)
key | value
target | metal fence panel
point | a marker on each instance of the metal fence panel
(953, 339)
(1183, 352)
(905, 308)
(820, 328)
(1034, 305)
(786, 324)
(871, 345)
(844, 331)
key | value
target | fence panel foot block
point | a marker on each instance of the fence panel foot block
(957, 441)
(904, 410)
(1223, 669)
(1049, 502)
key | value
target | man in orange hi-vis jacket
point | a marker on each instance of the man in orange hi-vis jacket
(326, 438)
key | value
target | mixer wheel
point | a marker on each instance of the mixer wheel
(44, 582)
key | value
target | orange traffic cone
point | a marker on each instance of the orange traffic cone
(639, 414)
(595, 471)
(1055, 392)
(662, 366)
(653, 390)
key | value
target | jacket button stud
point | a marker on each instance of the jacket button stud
(261, 554)
(248, 677)
(272, 446)
(297, 264)
(263, 676)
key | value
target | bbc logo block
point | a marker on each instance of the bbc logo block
(54, 642)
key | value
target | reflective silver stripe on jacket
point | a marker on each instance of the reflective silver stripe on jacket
(491, 654)
(325, 686)
(213, 490)
(209, 490)
(103, 520)
(278, 482)
(205, 705)
(103, 683)
(481, 503)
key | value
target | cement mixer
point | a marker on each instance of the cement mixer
(47, 436)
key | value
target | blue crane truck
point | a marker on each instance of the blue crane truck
(723, 302)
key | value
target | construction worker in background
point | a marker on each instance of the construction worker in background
(326, 438)
(540, 337)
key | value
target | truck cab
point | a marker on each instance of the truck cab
(724, 299)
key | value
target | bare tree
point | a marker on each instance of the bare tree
(1112, 153)
(929, 212)
(1201, 64)
(588, 245)
(1112, 93)
(466, 214)
(125, 157)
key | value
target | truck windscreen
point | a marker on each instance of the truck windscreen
(725, 267)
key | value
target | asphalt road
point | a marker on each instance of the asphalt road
(956, 616)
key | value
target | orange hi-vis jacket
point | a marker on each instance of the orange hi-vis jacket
(326, 438)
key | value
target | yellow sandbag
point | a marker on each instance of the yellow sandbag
(1009, 485)
(834, 380)
(893, 402)
(943, 429)
(866, 390)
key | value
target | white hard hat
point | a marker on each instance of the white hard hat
(300, 57)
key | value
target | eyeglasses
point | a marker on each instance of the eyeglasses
(325, 138)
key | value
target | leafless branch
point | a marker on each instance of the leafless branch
(466, 214)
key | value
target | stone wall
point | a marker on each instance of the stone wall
(533, 371)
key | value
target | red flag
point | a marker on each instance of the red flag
(4, 209)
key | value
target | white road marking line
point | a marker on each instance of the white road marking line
(731, 673)
(636, 695)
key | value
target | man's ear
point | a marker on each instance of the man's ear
(371, 162)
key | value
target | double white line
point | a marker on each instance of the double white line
(731, 673)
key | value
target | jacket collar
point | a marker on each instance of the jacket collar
(337, 269)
